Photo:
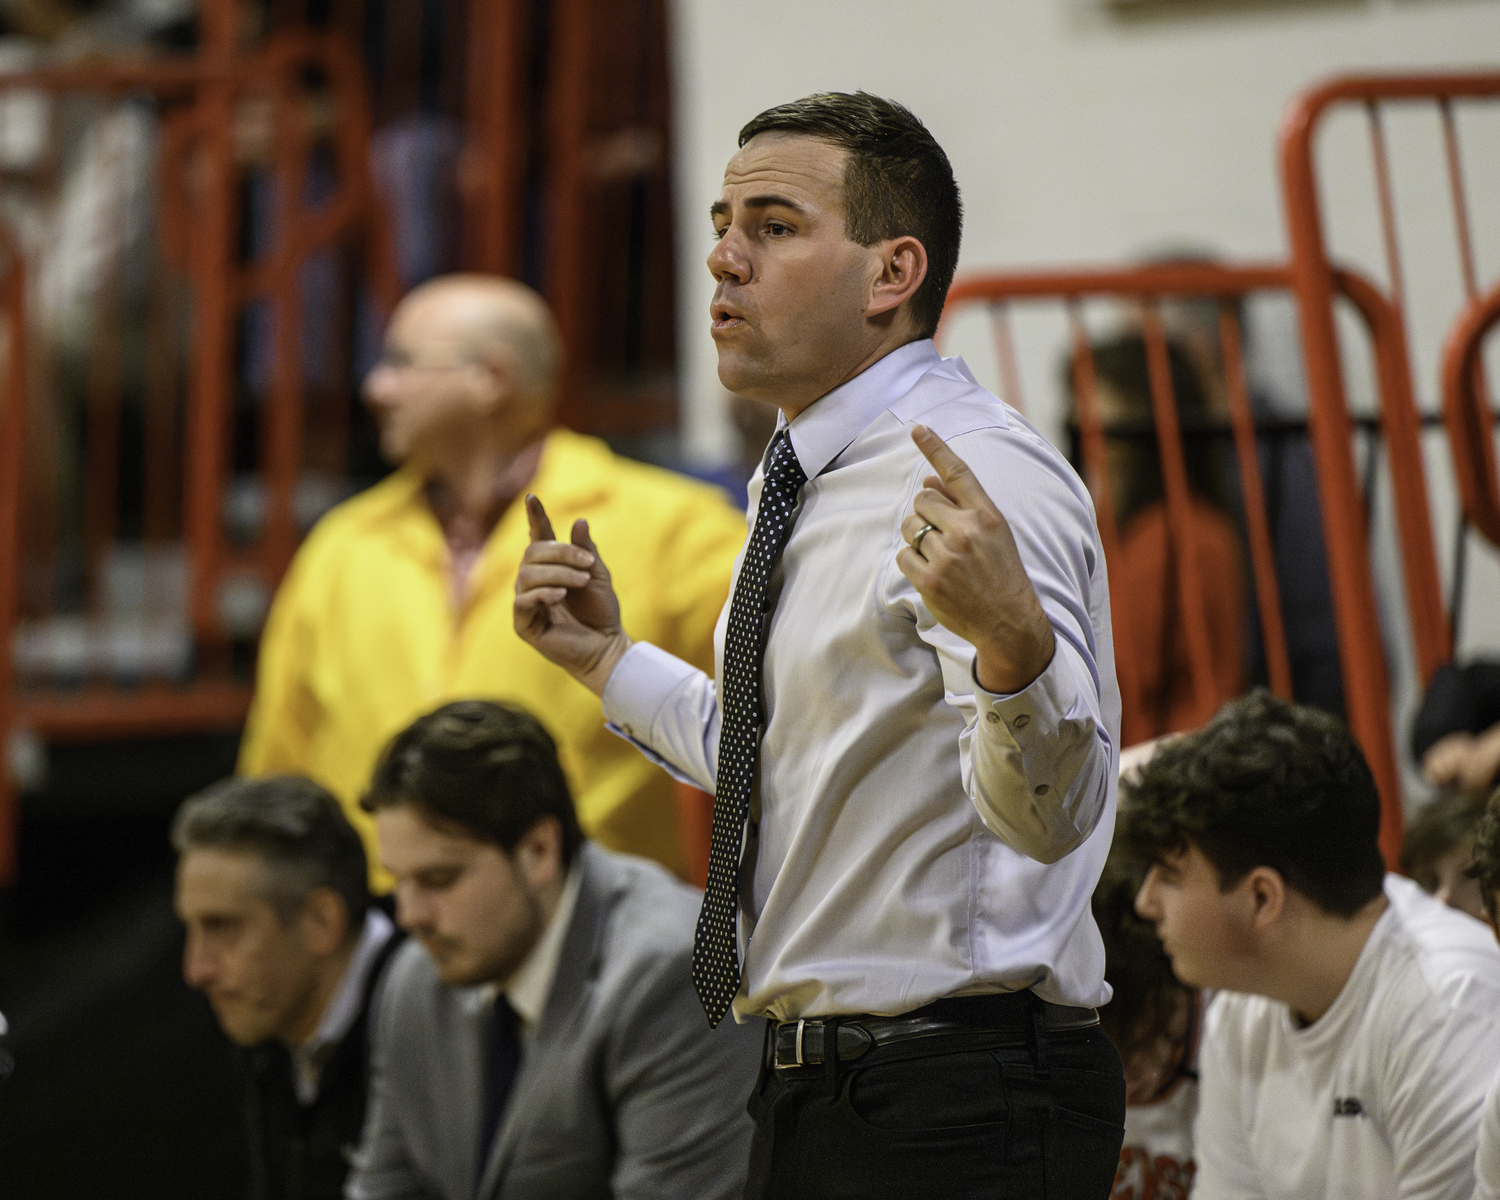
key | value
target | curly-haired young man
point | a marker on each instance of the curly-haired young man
(1359, 1023)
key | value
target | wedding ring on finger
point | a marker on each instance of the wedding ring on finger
(916, 542)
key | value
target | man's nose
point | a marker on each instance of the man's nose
(411, 913)
(379, 386)
(1145, 899)
(197, 963)
(727, 260)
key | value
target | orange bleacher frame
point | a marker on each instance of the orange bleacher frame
(1317, 282)
(197, 227)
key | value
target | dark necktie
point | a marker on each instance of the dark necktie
(716, 960)
(501, 1062)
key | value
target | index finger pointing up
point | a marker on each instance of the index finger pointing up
(536, 517)
(958, 480)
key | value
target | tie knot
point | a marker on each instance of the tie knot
(783, 471)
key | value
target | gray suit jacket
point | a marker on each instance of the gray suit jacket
(623, 1090)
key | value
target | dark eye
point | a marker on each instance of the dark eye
(777, 229)
(720, 231)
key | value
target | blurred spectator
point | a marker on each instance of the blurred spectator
(1278, 401)
(1439, 850)
(544, 1039)
(1486, 871)
(1456, 734)
(402, 596)
(1367, 1029)
(283, 940)
(1153, 1020)
(1146, 570)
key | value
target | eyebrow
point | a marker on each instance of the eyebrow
(718, 208)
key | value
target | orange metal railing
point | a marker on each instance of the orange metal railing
(1470, 414)
(1317, 284)
(193, 369)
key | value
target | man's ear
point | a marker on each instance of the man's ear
(538, 855)
(903, 267)
(325, 918)
(500, 378)
(1266, 892)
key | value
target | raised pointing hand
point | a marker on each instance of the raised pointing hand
(969, 572)
(565, 603)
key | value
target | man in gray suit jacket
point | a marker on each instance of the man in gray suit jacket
(540, 1038)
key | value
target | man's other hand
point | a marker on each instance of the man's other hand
(969, 572)
(565, 603)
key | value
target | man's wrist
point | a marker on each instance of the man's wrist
(1004, 672)
(596, 675)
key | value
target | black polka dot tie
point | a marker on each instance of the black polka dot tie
(716, 959)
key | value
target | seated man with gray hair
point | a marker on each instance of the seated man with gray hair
(282, 937)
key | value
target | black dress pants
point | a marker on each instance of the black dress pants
(1014, 1110)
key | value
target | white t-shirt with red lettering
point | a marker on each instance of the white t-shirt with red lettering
(1380, 1098)
(1156, 1162)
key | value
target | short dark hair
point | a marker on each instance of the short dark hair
(1486, 866)
(1139, 972)
(1266, 783)
(897, 181)
(485, 767)
(297, 829)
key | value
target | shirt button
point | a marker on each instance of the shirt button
(992, 717)
(1021, 721)
(1042, 789)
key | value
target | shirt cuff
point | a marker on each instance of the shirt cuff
(1034, 713)
(640, 686)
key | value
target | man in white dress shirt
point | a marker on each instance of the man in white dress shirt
(1349, 1053)
(929, 691)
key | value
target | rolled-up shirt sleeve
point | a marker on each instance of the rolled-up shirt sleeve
(669, 710)
(1039, 765)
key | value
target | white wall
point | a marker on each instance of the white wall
(1076, 131)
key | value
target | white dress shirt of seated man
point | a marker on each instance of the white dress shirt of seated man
(1358, 1026)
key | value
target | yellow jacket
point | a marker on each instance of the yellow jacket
(363, 636)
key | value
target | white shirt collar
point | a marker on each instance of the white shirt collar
(308, 1059)
(529, 986)
(824, 429)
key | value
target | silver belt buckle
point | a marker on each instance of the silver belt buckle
(802, 1024)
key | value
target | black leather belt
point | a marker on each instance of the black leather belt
(806, 1042)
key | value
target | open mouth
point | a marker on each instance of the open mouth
(725, 318)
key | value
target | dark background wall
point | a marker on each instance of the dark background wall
(123, 1086)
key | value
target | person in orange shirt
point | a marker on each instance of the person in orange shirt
(1146, 570)
(400, 599)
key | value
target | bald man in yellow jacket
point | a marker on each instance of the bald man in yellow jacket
(400, 599)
